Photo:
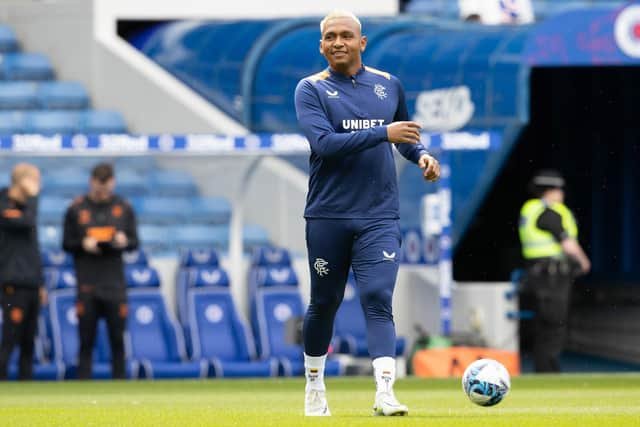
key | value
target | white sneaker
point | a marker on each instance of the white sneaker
(315, 404)
(387, 405)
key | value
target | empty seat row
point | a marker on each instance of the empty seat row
(54, 95)
(154, 210)
(8, 40)
(62, 122)
(162, 239)
(25, 66)
(71, 182)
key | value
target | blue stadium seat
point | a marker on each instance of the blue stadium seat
(350, 328)
(277, 301)
(130, 184)
(51, 209)
(60, 278)
(43, 370)
(198, 257)
(52, 122)
(56, 258)
(219, 335)
(210, 210)
(12, 122)
(50, 236)
(268, 256)
(139, 276)
(136, 164)
(96, 122)
(163, 210)
(201, 236)
(8, 40)
(254, 236)
(191, 259)
(18, 95)
(156, 340)
(155, 238)
(66, 183)
(173, 184)
(136, 257)
(196, 277)
(25, 66)
(58, 95)
(66, 343)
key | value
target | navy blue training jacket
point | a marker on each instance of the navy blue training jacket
(352, 173)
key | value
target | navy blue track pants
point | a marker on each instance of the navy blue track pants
(372, 248)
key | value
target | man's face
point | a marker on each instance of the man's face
(342, 44)
(101, 191)
(30, 183)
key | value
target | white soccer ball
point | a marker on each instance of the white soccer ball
(486, 382)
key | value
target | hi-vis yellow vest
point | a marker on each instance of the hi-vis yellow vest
(538, 243)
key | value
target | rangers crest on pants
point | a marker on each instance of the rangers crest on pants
(320, 265)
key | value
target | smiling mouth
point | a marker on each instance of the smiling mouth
(339, 53)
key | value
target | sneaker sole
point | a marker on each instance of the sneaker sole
(399, 413)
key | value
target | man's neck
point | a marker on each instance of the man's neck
(349, 71)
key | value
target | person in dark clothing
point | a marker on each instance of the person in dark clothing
(21, 282)
(553, 256)
(98, 227)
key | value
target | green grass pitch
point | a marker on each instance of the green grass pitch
(560, 400)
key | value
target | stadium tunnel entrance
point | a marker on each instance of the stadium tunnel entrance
(583, 122)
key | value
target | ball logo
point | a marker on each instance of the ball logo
(214, 313)
(627, 31)
(282, 312)
(72, 318)
(144, 315)
(349, 292)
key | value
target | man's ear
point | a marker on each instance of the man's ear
(363, 43)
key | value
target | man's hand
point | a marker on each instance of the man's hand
(403, 132)
(43, 296)
(120, 240)
(431, 167)
(89, 244)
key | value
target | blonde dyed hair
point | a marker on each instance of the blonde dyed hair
(339, 14)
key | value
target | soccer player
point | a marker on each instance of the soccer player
(352, 114)
(21, 284)
(98, 227)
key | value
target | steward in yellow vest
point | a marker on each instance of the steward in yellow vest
(548, 235)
